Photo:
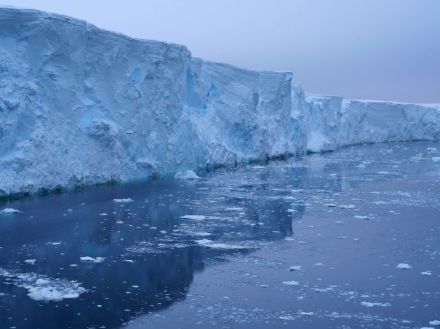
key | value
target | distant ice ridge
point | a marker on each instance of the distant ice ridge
(81, 106)
(333, 122)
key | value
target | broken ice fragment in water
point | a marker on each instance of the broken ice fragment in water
(88, 259)
(346, 206)
(127, 200)
(43, 288)
(189, 175)
(434, 323)
(234, 209)
(194, 217)
(305, 313)
(427, 273)
(403, 266)
(361, 217)
(8, 211)
(30, 261)
(291, 283)
(220, 246)
(286, 317)
(436, 159)
(55, 243)
(372, 304)
(295, 268)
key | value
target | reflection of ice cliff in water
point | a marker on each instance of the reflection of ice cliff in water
(150, 252)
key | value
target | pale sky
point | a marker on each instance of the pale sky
(362, 49)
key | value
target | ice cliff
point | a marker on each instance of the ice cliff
(80, 105)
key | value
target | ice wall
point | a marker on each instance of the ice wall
(333, 122)
(80, 106)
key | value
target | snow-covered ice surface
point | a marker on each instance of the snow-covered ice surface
(272, 246)
(81, 106)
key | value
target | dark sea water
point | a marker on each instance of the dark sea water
(349, 239)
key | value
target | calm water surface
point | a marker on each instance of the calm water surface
(349, 239)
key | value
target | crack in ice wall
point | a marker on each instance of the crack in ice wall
(80, 106)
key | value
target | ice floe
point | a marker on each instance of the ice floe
(88, 259)
(189, 175)
(403, 266)
(126, 200)
(44, 288)
(374, 304)
(219, 246)
(8, 211)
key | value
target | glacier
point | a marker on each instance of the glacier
(80, 106)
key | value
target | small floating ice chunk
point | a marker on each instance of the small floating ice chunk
(427, 273)
(346, 206)
(373, 304)
(434, 323)
(43, 288)
(331, 205)
(219, 246)
(30, 261)
(234, 209)
(200, 234)
(194, 217)
(9, 211)
(291, 283)
(286, 317)
(305, 313)
(361, 217)
(436, 159)
(295, 268)
(55, 243)
(189, 174)
(403, 266)
(126, 200)
(88, 259)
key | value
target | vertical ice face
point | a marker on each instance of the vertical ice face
(333, 122)
(240, 114)
(79, 105)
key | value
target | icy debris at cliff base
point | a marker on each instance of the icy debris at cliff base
(188, 175)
